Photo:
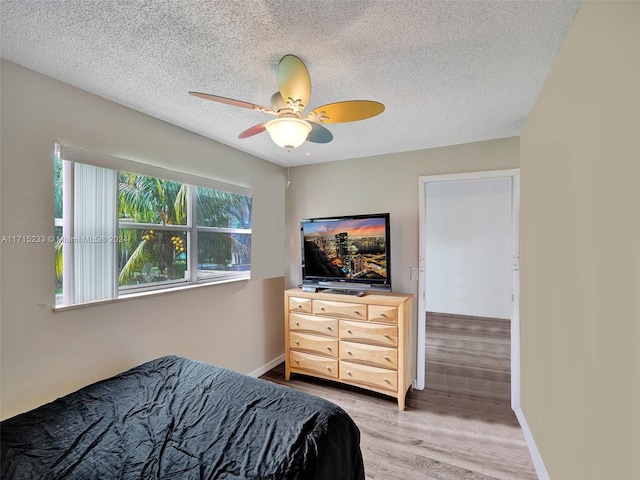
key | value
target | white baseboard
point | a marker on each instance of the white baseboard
(538, 464)
(265, 368)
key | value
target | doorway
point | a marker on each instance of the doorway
(470, 182)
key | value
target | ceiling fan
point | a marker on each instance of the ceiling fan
(292, 127)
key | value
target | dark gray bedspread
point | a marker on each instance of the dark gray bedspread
(174, 418)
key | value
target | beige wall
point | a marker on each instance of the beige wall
(385, 183)
(46, 354)
(580, 251)
(580, 255)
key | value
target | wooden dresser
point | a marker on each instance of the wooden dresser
(363, 341)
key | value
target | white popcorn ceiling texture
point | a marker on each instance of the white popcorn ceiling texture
(448, 72)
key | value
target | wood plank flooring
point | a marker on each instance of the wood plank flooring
(445, 433)
(469, 355)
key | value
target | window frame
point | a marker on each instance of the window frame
(73, 155)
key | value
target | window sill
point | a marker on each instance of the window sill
(133, 295)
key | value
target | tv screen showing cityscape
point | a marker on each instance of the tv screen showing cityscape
(353, 249)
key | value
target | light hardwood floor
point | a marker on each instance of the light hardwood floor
(445, 433)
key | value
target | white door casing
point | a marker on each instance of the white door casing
(423, 181)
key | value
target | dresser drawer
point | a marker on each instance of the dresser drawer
(340, 309)
(382, 313)
(375, 333)
(313, 343)
(363, 374)
(327, 367)
(297, 304)
(373, 355)
(325, 326)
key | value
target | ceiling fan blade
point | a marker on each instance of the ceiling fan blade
(231, 101)
(349, 111)
(294, 82)
(256, 129)
(319, 134)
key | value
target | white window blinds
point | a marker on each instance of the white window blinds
(94, 229)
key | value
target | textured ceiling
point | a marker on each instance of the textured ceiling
(448, 72)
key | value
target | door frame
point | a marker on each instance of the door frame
(423, 181)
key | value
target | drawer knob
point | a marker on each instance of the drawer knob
(387, 359)
(383, 315)
(328, 327)
(297, 361)
(322, 308)
(349, 352)
(297, 323)
(349, 331)
(356, 312)
(328, 368)
(386, 336)
(329, 348)
(299, 306)
(386, 380)
(296, 342)
(348, 372)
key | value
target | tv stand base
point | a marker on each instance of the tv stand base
(357, 293)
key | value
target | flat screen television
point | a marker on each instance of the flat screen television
(348, 254)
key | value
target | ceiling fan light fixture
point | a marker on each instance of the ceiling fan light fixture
(288, 133)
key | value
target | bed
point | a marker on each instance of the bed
(175, 418)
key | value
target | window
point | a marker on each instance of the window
(120, 232)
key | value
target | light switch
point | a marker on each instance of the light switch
(414, 273)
